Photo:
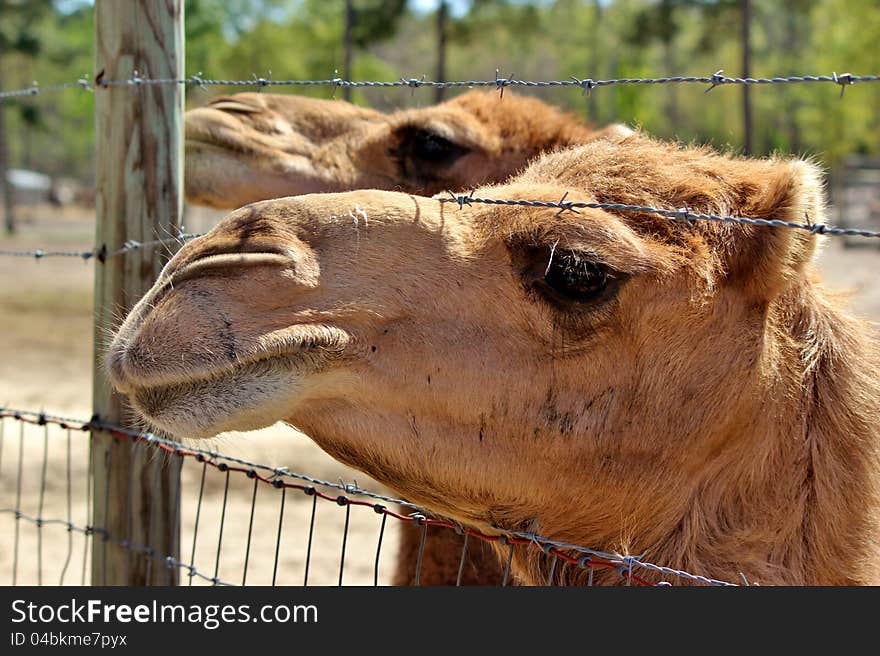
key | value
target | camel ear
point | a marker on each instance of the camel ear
(766, 259)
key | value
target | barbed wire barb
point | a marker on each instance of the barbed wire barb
(413, 83)
(844, 79)
(586, 85)
(717, 79)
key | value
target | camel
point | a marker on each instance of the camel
(254, 146)
(257, 146)
(686, 390)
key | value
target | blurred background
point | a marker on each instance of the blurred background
(51, 41)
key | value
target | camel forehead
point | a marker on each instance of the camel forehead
(481, 118)
(358, 209)
(486, 104)
(376, 221)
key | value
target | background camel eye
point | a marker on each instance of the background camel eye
(574, 278)
(432, 147)
(423, 152)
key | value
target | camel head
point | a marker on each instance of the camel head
(254, 146)
(606, 378)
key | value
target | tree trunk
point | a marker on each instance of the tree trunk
(746, 7)
(672, 89)
(442, 36)
(593, 112)
(8, 197)
(348, 47)
(791, 46)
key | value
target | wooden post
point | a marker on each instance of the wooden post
(139, 155)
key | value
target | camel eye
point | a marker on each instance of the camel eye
(573, 278)
(432, 147)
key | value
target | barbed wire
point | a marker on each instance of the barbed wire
(683, 214)
(499, 82)
(579, 555)
(100, 253)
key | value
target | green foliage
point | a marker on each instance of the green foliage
(18, 30)
(375, 20)
(550, 39)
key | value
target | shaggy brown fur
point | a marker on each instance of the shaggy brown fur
(684, 390)
(256, 146)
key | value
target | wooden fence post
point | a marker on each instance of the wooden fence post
(139, 160)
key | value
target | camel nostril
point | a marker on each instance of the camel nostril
(233, 106)
(241, 247)
(223, 263)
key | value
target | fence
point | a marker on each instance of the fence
(118, 485)
(499, 83)
(856, 190)
(279, 481)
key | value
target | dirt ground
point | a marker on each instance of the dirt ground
(45, 364)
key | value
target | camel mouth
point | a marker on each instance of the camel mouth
(251, 392)
(224, 172)
(229, 146)
(213, 128)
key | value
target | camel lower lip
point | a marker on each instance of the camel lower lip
(229, 399)
(239, 395)
(153, 398)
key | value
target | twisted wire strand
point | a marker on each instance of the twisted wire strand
(499, 82)
(100, 253)
(683, 214)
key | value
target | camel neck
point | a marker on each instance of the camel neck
(795, 500)
(791, 495)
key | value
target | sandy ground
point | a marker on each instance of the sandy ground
(45, 363)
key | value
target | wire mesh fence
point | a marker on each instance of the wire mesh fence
(242, 522)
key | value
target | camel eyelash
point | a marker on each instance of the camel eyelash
(579, 290)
